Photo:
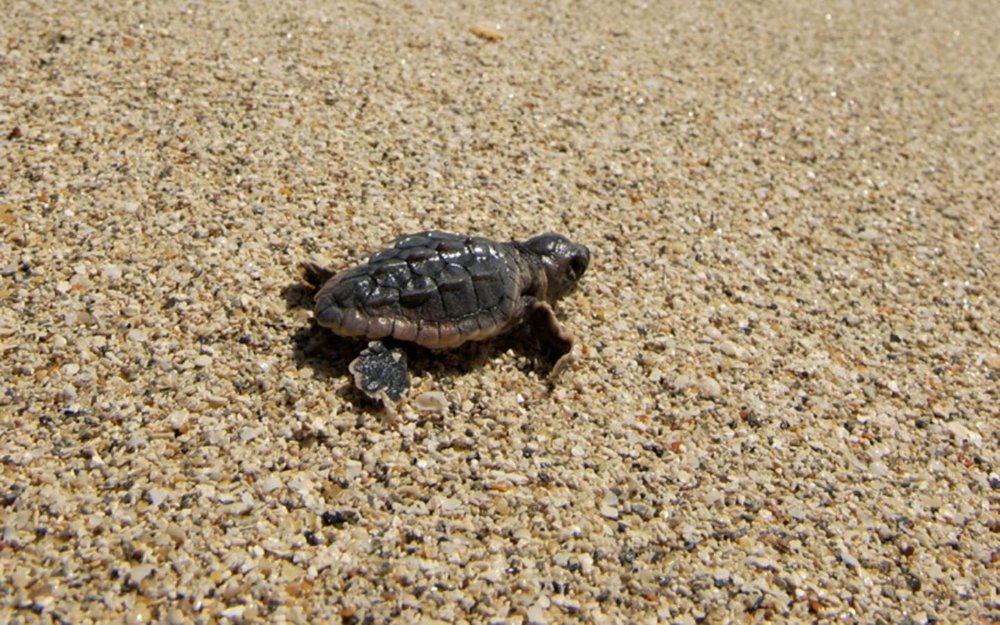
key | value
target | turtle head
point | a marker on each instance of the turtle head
(562, 261)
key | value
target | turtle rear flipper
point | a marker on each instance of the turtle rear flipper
(380, 372)
(315, 275)
(555, 341)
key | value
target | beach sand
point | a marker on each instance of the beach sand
(784, 401)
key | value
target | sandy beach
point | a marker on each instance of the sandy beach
(783, 406)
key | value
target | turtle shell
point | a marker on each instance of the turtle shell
(433, 288)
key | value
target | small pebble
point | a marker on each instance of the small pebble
(140, 572)
(536, 615)
(175, 617)
(157, 496)
(20, 578)
(112, 272)
(683, 382)
(431, 402)
(178, 419)
(849, 560)
(139, 615)
(710, 388)
(487, 33)
(270, 484)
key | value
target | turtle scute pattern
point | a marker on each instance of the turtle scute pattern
(435, 288)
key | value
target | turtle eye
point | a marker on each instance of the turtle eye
(578, 264)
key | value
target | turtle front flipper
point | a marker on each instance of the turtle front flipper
(555, 341)
(380, 372)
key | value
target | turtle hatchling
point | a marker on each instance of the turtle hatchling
(439, 290)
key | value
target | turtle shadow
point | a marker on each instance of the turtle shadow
(449, 364)
(327, 354)
(298, 296)
(330, 355)
(313, 345)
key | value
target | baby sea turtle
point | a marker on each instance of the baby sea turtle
(439, 290)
